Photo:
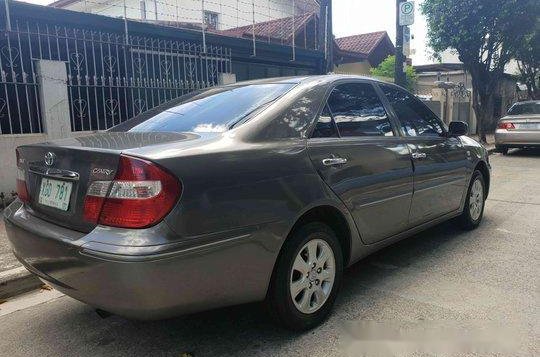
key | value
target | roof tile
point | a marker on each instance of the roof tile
(364, 43)
(279, 29)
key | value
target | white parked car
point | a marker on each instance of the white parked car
(519, 128)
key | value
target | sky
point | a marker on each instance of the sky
(353, 17)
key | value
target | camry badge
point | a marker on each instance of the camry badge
(49, 158)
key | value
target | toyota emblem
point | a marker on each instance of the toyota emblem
(49, 158)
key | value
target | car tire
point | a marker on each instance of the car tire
(294, 272)
(502, 149)
(475, 202)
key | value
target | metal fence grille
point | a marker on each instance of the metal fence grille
(19, 99)
(111, 77)
(110, 81)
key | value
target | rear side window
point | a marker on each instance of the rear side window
(358, 111)
(416, 119)
(525, 108)
(214, 111)
(326, 128)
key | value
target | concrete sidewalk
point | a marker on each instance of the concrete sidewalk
(490, 138)
(14, 278)
(7, 259)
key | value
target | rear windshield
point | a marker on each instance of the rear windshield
(525, 108)
(214, 111)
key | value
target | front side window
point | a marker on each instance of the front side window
(415, 118)
(213, 111)
(358, 111)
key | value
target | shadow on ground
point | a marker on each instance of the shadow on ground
(524, 152)
(241, 330)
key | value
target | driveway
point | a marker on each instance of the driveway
(443, 277)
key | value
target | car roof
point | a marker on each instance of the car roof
(326, 78)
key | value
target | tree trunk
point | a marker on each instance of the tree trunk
(479, 115)
(529, 75)
(532, 88)
(485, 86)
(479, 105)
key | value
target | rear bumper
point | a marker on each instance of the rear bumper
(517, 138)
(142, 286)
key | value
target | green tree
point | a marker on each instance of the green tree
(528, 60)
(486, 35)
(386, 69)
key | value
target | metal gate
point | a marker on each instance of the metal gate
(111, 77)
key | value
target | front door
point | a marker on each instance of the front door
(440, 162)
(356, 151)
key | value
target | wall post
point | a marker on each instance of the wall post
(53, 97)
(226, 78)
(8, 15)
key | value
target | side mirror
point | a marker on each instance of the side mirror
(458, 128)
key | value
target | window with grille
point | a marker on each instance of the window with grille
(211, 20)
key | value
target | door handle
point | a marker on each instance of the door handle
(419, 155)
(334, 161)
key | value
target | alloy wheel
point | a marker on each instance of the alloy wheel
(312, 276)
(476, 200)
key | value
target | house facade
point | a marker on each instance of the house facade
(358, 54)
(456, 104)
(216, 14)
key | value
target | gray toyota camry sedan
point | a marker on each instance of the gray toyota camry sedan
(257, 191)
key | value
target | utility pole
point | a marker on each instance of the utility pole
(400, 78)
(326, 37)
(330, 43)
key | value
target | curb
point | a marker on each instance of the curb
(17, 281)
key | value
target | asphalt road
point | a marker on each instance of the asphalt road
(460, 280)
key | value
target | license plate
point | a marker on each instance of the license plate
(528, 126)
(55, 193)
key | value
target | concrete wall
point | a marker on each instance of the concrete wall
(8, 143)
(461, 108)
(55, 117)
(8, 163)
(457, 108)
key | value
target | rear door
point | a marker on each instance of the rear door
(440, 162)
(355, 149)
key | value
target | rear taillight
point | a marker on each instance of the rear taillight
(141, 194)
(93, 201)
(506, 125)
(22, 190)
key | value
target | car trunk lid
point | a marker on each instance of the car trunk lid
(523, 122)
(58, 173)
